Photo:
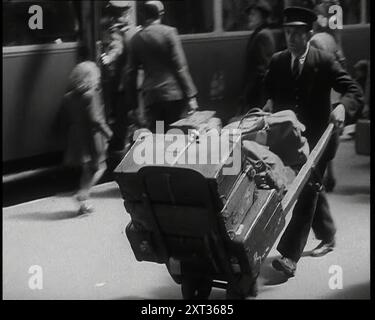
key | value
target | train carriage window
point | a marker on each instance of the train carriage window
(235, 17)
(188, 16)
(59, 23)
(351, 11)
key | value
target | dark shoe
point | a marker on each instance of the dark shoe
(84, 204)
(285, 265)
(323, 248)
(85, 208)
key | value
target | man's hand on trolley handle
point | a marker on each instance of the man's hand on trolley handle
(337, 116)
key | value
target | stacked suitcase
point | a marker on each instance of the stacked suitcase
(209, 228)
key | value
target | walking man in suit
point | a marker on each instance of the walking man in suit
(300, 78)
(168, 89)
(259, 51)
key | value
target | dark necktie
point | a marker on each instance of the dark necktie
(295, 69)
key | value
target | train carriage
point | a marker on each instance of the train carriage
(37, 62)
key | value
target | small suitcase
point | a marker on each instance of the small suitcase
(253, 240)
(202, 121)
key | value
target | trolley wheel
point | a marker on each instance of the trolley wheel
(196, 288)
(240, 289)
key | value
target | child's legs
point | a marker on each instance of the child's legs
(91, 173)
(100, 169)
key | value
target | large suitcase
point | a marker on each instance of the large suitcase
(232, 209)
(222, 170)
(232, 194)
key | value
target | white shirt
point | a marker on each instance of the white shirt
(302, 59)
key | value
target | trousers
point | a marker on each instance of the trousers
(311, 211)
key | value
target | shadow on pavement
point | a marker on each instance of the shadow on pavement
(113, 192)
(358, 291)
(349, 190)
(306, 253)
(172, 292)
(38, 187)
(129, 298)
(45, 216)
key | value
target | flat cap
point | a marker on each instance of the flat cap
(120, 4)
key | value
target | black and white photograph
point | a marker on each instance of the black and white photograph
(211, 150)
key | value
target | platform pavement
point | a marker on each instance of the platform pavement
(89, 257)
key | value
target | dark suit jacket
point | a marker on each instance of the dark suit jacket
(309, 96)
(259, 51)
(157, 48)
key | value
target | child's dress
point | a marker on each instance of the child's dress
(88, 133)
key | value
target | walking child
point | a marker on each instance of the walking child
(88, 132)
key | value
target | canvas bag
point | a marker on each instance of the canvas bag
(268, 170)
(280, 131)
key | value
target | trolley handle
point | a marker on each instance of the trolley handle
(304, 174)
